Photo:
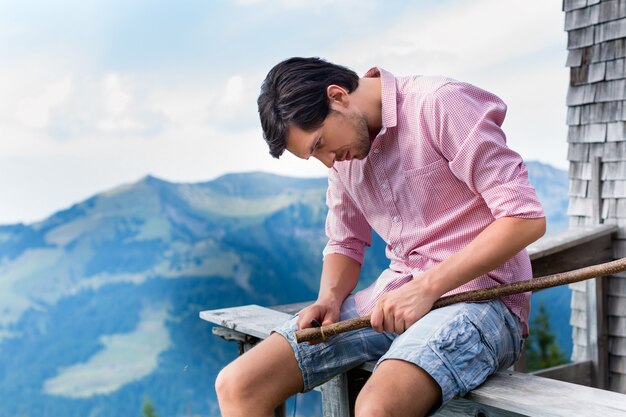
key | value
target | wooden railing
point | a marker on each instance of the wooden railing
(507, 393)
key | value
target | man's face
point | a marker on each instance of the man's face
(344, 135)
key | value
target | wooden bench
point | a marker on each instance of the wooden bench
(506, 393)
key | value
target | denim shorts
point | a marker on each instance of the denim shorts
(459, 346)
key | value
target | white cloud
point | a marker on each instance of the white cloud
(35, 111)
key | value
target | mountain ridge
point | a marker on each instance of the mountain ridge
(75, 284)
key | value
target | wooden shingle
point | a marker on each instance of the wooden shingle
(614, 151)
(578, 188)
(611, 10)
(580, 94)
(617, 364)
(596, 72)
(619, 248)
(574, 58)
(595, 132)
(578, 152)
(573, 115)
(614, 170)
(569, 5)
(608, 31)
(617, 346)
(580, 38)
(579, 207)
(615, 69)
(617, 285)
(610, 111)
(617, 307)
(609, 90)
(580, 170)
(616, 132)
(581, 18)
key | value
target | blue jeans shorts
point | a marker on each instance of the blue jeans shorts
(459, 346)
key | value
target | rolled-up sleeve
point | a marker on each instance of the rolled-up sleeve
(468, 128)
(347, 229)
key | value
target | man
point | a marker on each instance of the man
(422, 161)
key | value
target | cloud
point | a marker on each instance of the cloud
(35, 111)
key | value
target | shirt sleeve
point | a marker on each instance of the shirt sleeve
(468, 128)
(346, 227)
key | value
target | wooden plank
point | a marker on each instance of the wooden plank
(253, 320)
(567, 239)
(576, 373)
(460, 407)
(536, 396)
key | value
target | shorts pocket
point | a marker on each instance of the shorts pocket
(466, 353)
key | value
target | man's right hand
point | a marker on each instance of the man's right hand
(324, 312)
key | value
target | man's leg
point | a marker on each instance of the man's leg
(260, 380)
(398, 388)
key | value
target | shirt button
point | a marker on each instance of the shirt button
(396, 250)
(396, 219)
(376, 150)
(384, 186)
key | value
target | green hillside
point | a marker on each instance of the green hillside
(100, 302)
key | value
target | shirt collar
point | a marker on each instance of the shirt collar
(388, 97)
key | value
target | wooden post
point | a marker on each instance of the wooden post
(335, 402)
(597, 335)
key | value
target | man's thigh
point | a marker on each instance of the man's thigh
(460, 345)
(320, 362)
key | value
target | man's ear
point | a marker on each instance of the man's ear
(337, 95)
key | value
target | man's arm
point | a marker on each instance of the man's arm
(501, 240)
(340, 274)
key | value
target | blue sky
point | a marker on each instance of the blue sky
(94, 94)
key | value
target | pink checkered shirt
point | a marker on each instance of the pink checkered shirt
(438, 173)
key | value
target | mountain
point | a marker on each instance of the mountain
(99, 303)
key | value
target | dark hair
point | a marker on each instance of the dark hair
(294, 93)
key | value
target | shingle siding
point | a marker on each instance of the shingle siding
(596, 120)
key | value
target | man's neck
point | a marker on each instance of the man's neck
(368, 97)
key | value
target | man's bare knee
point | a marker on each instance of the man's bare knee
(231, 383)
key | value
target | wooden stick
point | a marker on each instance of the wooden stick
(318, 334)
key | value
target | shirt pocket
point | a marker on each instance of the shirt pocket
(434, 190)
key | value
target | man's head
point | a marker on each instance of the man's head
(297, 97)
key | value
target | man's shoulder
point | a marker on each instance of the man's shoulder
(422, 84)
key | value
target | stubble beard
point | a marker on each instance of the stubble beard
(363, 143)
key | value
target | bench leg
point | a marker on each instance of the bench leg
(335, 402)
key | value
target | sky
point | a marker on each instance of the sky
(95, 94)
